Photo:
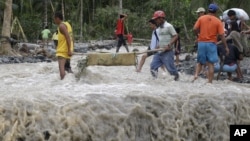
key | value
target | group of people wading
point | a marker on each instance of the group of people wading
(215, 39)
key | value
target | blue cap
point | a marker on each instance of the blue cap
(212, 7)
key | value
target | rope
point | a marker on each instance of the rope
(136, 60)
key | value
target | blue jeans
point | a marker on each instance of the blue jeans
(207, 52)
(226, 68)
(166, 59)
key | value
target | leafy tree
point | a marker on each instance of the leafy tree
(99, 16)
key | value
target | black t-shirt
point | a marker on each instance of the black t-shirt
(239, 26)
(233, 54)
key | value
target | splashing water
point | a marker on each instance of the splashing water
(115, 104)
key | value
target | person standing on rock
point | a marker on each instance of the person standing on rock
(207, 28)
(120, 32)
(65, 42)
(167, 38)
(45, 35)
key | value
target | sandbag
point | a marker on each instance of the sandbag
(111, 59)
(240, 14)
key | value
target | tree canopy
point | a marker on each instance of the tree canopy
(99, 16)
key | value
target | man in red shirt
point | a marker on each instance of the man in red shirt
(120, 32)
(207, 28)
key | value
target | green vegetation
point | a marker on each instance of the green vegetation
(99, 16)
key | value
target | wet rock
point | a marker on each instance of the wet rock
(108, 47)
(46, 135)
(40, 57)
(135, 50)
(28, 46)
(48, 60)
(187, 58)
(51, 51)
(20, 139)
(28, 60)
(81, 50)
(189, 71)
(244, 71)
(17, 60)
(5, 60)
(24, 48)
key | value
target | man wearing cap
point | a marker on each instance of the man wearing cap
(120, 32)
(207, 28)
(201, 11)
(167, 37)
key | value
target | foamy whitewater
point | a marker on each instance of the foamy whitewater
(116, 104)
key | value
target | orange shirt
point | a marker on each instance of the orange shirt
(209, 27)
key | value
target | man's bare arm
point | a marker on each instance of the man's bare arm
(196, 32)
(229, 37)
(223, 39)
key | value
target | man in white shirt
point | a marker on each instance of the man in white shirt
(167, 37)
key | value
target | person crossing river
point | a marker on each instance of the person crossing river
(167, 38)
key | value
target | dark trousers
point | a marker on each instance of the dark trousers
(67, 65)
(121, 41)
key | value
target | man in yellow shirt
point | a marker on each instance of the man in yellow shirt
(65, 43)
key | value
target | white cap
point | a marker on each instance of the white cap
(201, 9)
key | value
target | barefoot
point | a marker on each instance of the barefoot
(137, 70)
(194, 79)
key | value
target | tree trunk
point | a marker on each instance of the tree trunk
(120, 5)
(81, 20)
(186, 31)
(63, 10)
(45, 13)
(6, 46)
(93, 16)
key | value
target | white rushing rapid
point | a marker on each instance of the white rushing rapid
(115, 104)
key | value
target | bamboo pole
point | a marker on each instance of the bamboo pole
(20, 27)
(52, 7)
